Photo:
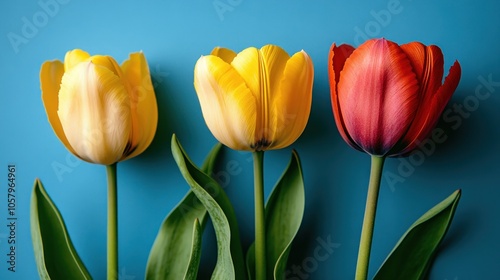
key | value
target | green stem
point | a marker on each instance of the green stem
(260, 227)
(365, 243)
(112, 223)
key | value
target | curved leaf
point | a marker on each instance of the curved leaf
(251, 262)
(194, 260)
(56, 258)
(412, 256)
(173, 249)
(230, 262)
(284, 212)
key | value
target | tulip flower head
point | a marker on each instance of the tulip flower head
(387, 98)
(256, 100)
(102, 112)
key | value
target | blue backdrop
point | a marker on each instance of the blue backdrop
(173, 35)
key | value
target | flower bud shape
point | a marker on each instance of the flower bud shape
(102, 112)
(256, 100)
(387, 98)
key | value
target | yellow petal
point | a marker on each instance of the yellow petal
(247, 64)
(227, 104)
(262, 71)
(74, 57)
(108, 62)
(273, 60)
(143, 103)
(292, 105)
(94, 109)
(225, 54)
(50, 80)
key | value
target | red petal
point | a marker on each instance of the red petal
(378, 95)
(427, 63)
(435, 108)
(336, 59)
(445, 92)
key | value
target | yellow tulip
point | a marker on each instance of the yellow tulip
(103, 113)
(256, 100)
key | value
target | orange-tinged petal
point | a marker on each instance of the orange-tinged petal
(336, 59)
(74, 57)
(94, 109)
(415, 51)
(449, 86)
(51, 74)
(434, 108)
(228, 105)
(225, 54)
(378, 95)
(291, 104)
(143, 103)
(427, 63)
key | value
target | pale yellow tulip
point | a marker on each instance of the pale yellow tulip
(103, 113)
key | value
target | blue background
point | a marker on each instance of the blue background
(173, 35)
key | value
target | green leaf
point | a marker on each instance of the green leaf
(172, 252)
(56, 258)
(230, 261)
(412, 256)
(194, 260)
(284, 212)
(251, 262)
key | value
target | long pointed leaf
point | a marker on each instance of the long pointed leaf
(173, 249)
(230, 261)
(412, 256)
(194, 260)
(284, 212)
(56, 258)
(251, 262)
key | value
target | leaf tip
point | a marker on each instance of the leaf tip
(295, 154)
(457, 194)
(37, 181)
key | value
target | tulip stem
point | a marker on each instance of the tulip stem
(260, 226)
(112, 223)
(365, 244)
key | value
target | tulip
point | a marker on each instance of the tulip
(386, 99)
(101, 112)
(256, 100)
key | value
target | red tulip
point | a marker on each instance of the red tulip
(387, 98)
